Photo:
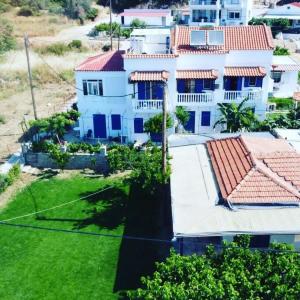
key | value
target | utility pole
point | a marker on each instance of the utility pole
(26, 43)
(164, 130)
(110, 22)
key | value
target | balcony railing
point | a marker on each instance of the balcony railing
(241, 95)
(147, 105)
(194, 99)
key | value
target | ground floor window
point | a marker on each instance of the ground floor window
(205, 118)
(276, 76)
(116, 122)
(138, 125)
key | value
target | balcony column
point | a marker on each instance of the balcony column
(218, 5)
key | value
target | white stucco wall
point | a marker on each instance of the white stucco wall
(287, 86)
(150, 21)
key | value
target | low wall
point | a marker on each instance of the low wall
(77, 161)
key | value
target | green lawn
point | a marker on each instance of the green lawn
(38, 264)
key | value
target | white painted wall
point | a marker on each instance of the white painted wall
(150, 21)
(287, 86)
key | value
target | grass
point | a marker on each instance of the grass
(37, 264)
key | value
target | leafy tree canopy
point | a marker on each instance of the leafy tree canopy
(154, 124)
(7, 40)
(182, 115)
(236, 272)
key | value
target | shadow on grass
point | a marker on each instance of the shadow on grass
(148, 217)
(48, 174)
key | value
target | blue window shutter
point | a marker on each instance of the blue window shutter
(180, 85)
(227, 81)
(212, 84)
(239, 83)
(141, 90)
(85, 91)
(198, 85)
(259, 81)
(116, 122)
(159, 91)
(205, 118)
(138, 125)
(246, 82)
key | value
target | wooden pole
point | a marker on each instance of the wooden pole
(110, 22)
(26, 43)
(164, 131)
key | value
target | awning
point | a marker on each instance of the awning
(286, 68)
(245, 71)
(149, 76)
(197, 74)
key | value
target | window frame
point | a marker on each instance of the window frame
(94, 87)
(276, 79)
(234, 12)
(207, 81)
(251, 84)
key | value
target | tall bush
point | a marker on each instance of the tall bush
(7, 39)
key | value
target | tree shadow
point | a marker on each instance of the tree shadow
(148, 217)
(108, 211)
(48, 174)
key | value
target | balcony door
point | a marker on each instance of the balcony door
(233, 83)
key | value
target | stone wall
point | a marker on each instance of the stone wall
(77, 161)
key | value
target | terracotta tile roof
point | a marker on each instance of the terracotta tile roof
(108, 62)
(296, 96)
(145, 13)
(149, 76)
(245, 71)
(235, 38)
(163, 56)
(297, 4)
(284, 68)
(256, 170)
(197, 74)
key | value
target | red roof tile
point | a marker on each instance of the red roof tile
(297, 4)
(149, 76)
(163, 56)
(245, 71)
(256, 171)
(108, 62)
(235, 38)
(145, 13)
(197, 74)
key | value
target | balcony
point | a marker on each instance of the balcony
(195, 99)
(204, 2)
(147, 105)
(238, 96)
(232, 3)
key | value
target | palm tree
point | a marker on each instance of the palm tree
(236, 117)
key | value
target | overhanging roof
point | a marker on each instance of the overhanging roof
(245, 71)
(197, 74)
(149, 76)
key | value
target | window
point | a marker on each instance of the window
(234, 15)
(115, 122)
(204, 16)
(93, 87)
(150, 90)
(205, 118)
(276, 76)
(207, 84)
(252, 81)
(189, 86)
(138, 125)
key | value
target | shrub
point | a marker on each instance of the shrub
(2, 119)
(282, 103)
(154, 124)
(92, 13)
(4, 7)
(3, 183)
(26, 11)
(137, 23)
(58, 49)
(106, 47)
(13, 174)
(182, 115)
(60, 157)
(281, 51)
(7, 39)
(77, 44)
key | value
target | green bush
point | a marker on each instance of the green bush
(92, 13)
(2, 119)
(282, 103)
(106, 47)
(77, 44)
(154, 124)
(281, 51)
(12, 175)
(137, 23)
(26, 11)
(84, 147)
(182, 115)
(3, 183)
(58, 49)
(4, 7)
(7, 39)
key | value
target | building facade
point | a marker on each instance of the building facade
(220, 12)
(199, 68)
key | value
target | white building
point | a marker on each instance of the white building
(118, 91)
(220, 12)
(289, 11)
(285, 77)
(227, 185)
(152, 17)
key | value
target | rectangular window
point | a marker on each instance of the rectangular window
(150, 90)
(252, 81)
(93, 87)
(234, 15)
(115, 122)
(205, 118)
(138, 125)
(207, 84)
(276, 76)
(189, 86)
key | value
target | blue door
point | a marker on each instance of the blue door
(190, 125)
(100, 126)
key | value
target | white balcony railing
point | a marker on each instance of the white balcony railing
(241, 95)
(190, 99)
(203, 2)
(147, 105)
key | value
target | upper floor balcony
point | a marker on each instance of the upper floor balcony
(207, 4)
(232, 3)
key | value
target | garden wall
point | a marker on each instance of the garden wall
(77, 161)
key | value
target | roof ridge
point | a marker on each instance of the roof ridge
(269, 36)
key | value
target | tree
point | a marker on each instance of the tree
(236, 117)
(137, 23)
(182, 115)
(281, 51)
(7, 40)
(154, 124)
(235, 272)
